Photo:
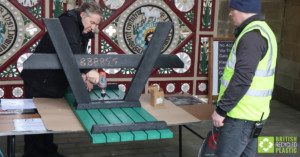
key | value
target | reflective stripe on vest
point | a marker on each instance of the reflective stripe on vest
(251, 92)
(263, 73)
(259, 72)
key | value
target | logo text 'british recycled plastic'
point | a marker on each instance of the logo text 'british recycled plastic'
(265, 144)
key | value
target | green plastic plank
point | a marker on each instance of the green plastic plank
(142, 112)
(87, 123)
(96, 95)
(113, 119)
(117, 115)
(119, 93)
(97, 116)
(151, 134)
(134, 115)
(100, 119)
(138, 135)
(111, 94)
(165, 133)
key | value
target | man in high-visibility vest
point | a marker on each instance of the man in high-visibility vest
(247, 83)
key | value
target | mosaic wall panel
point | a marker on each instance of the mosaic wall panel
(174, 87)
(130, 31)
(201, 87)
(203, 55)
(207, 15)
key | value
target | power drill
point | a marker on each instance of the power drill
(102, 83)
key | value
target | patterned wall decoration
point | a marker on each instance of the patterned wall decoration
(201, 87)
(127, 28)
(207, 18)
(174, 87)
(130, 31)
(203, 56)
(19, 30)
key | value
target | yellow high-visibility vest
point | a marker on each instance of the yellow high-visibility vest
(257, 98)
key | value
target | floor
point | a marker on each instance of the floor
(283, 121)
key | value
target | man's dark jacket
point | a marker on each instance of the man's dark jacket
(54, 82)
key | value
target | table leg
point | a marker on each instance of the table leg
(10, 146)
(194, 132)
(180, 140)
(180, 137)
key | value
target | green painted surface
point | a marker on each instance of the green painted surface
(137, 135)
(88, 118)
(96, 138)
(113, 119)
(100, 119)
(151, 134)
(165, 133)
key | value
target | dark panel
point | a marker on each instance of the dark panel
(100, 104)
(67, 60)
(95, 61)
(125, 127)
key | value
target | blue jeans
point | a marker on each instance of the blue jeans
(234, 139)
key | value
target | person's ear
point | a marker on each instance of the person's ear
(82, 14)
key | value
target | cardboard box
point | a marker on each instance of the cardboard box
(156, 95)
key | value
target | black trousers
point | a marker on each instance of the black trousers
(40, 145)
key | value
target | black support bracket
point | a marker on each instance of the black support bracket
(124, 127)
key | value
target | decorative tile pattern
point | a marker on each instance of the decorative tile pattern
(204, 51)
(207, 13)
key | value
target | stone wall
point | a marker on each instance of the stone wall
(282, 16)
(287, 84)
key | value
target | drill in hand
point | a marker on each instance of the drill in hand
(102, 83)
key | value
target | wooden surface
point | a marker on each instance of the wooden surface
(58, 116)
(200, 111)
(168, 112)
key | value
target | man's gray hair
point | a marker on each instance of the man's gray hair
(91, 7)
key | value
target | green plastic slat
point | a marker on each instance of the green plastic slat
(112, 119)
(152, 134)
(100, 119)
(133, 115)
(96, 95)
(111, 94)
(93, 96)
(121, 115)
(119, 93)
(97, 116)
(165, 133)
(138, 135)
(144, 114)
(87, 123)
(109, 115)
(117, 115)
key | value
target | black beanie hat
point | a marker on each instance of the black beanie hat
(247, 6)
